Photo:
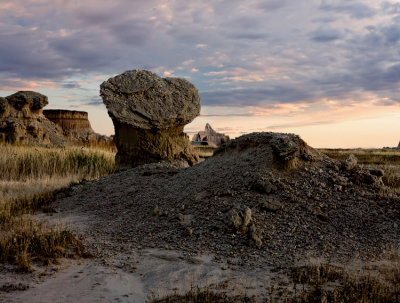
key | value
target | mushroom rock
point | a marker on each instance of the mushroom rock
(149, 113)
(22, 120)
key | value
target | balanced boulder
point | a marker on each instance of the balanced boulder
(149, 114)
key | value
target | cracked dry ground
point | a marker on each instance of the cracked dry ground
(302, 204)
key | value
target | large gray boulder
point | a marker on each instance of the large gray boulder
(144, 100)
(149, 114)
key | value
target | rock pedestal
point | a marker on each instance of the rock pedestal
(149, 114)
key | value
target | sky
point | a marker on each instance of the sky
(327, 70)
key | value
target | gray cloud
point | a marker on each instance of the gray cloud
(326, 35)
(353, 8)
(257, 96)
(95, 101)
(391, 8)
(270, 5)
(263, 53)
(73, 84)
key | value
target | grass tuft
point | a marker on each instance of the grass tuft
(202, 295)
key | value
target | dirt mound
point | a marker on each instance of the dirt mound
(274, 150)
(262, 199)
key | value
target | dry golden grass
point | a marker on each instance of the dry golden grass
(364, 282)
(26, 171)
(318, 281)
(204, 151)
(202, 295)
(29, 179)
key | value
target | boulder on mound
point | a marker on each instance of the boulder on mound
(149, 114)
(22, 120)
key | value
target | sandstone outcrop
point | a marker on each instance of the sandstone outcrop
(22, 120)
(149, 114)
(75, 125)
(210, 136)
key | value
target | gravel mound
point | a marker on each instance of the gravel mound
(263, 199)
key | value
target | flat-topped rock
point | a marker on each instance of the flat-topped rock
(149, 114)
(75, 126)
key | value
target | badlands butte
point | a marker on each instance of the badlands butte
(263, 203)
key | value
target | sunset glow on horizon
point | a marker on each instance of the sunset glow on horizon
(327, 70)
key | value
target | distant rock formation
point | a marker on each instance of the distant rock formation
(210, 136)
(22, 120)
(149, 114)
(75, 125)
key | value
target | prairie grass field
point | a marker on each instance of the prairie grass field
(386, 159)
(29, 180)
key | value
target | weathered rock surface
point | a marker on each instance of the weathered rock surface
(22, 120)
(149, 114)
(210, 136)
(350, 162)
(75, 125)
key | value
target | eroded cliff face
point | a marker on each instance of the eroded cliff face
(210, 136)
(69, 120)
(75, 126)
(22, 120)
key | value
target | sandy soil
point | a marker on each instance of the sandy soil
(153, 273)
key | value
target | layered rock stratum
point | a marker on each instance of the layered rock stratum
(75, 125)
(22, 120)
(210, 136)
(149, 113)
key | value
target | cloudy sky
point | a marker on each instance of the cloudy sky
(328, 70)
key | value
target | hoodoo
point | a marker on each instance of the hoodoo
(149, 113)
(22, 120)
